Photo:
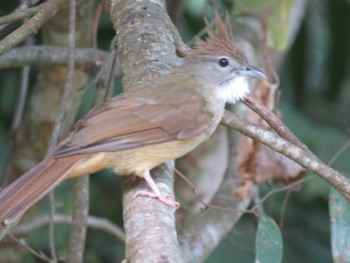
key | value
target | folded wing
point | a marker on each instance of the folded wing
(132, 121)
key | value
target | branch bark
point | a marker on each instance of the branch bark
(48, 10)
(146, 50)
(93, 222)
(78, 230)
(19, 15)
(305, 159)
(86, 59)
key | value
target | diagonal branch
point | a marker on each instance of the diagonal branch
(48, 10)
(19, 14)
(276, 124)
(305, 159)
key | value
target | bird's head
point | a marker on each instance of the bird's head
(220, 65)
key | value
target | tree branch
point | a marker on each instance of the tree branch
(146, 50)
(87, 59)
(78, 229)
(202, 233)
(92, 222)
(19, 14)
(79, 220)
(23, 7)
(276, 124)
(48, 10)
(305, 159)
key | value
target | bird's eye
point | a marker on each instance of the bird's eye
(223, 62)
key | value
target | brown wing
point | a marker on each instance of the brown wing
(133, 121)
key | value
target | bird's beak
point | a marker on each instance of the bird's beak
(253, 72)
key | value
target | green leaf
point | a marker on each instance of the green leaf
(339, 210)
(268, 244)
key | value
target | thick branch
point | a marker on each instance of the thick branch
(146, 50)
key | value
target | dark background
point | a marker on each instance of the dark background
(315, 103)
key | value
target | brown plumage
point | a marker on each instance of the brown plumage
(34, 185)
(108, 133)
(219, 39)
(138, 130)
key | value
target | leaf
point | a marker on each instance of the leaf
(339, 210)
(268, 244)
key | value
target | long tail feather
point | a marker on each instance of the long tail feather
(24, 192)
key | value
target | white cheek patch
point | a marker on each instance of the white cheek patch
(234, 90)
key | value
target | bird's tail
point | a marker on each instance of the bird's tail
(24, 192)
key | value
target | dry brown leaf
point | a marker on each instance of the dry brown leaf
(256, 162)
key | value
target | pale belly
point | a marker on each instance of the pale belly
(136, 161)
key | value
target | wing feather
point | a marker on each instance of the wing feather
(132, 121)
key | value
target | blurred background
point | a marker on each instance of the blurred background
(314, 70)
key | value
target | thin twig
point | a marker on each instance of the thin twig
(104, 79)
(276, 124)
(81, 193)
(109, 84)
(301, 181)
(58, 127)
(80, 190)
(40, 255)
(22, 7)
(283, 207)
(17, 120)
(79, 219)
(258, 207)
(176, 11)
(48, 10)
(282, 189)
(93, 222)
(207, 205)
(19, 14)
(52, 226)
(95, 20)
(340, 152)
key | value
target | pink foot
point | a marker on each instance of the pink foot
(160, 197)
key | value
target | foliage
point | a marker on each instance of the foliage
(269, 245)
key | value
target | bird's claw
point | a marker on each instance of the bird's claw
(162, 198)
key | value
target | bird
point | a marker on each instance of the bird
(134, 132)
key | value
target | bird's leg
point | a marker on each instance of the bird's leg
(156, 192)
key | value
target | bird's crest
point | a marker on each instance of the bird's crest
(219, 39)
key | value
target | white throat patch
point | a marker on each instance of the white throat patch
(234, 90)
